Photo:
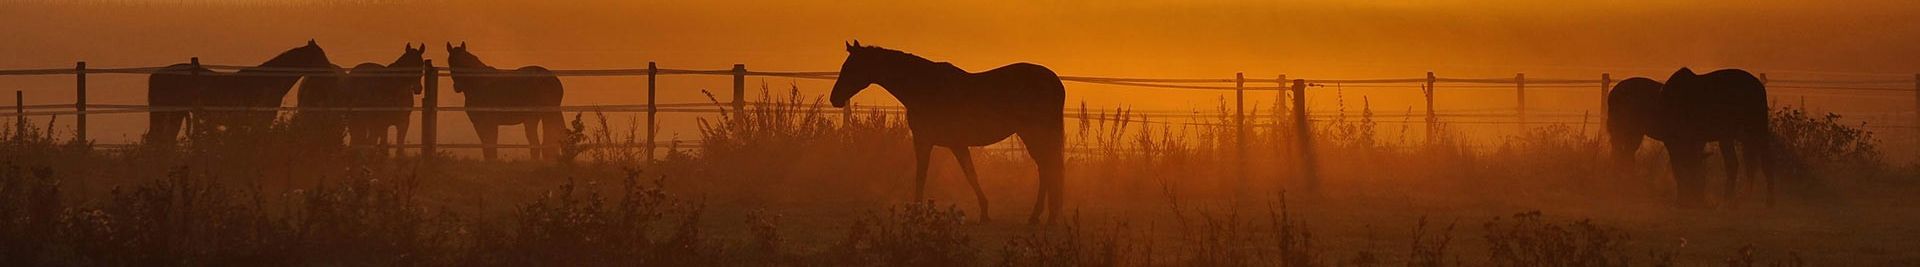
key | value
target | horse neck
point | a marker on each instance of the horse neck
(474, 83)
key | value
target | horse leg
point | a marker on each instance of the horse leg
(532, 128)
(966, 166)
(379, 136)
(1685, 156)
(489, 135)
(1729, 156)
(922, 149)
(1045, 146)
(163, 126)
(1625, 145)
(399, 139)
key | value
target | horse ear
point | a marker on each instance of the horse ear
(463, 44)
(310, 43)
(856, 42)
(449, 46)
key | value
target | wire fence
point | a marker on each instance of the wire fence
(1234, 117)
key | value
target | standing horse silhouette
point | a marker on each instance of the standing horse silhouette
(526, 87)
(948, 107)
(257, 87)
(1728, 107)
(389, 89)
(321, 128)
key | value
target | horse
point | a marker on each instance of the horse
(950, 107)
(322, 128)
(184, 85)
(388, 88)
(1727, 107)
(1633, 114)
(526, 87)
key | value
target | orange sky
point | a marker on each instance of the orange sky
(1211, 38)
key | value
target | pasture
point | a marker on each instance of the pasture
(798, 185)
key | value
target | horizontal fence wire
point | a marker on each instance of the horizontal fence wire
(707, 107)
(1168, 83)
(1197, 117)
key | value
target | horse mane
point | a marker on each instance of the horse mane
(904, 58)
(285, 59)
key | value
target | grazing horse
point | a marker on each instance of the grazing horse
(1728, 107)
(949, 107)
(526, 87)
(257, 87)
(1633, 112)
(389, 89)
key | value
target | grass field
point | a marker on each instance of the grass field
(791, 185)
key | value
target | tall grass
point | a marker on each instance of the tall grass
(245, 197)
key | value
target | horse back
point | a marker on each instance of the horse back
(322, 90)
(540, 85)
(1025, 85)
(984, 108)
(174, 85)
(1717, 105)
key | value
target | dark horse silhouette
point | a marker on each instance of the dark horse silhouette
(389, 88)
(321, 128)
(1728, 107)
(1633, 112)
(526, 87)
(948, 107)
(259, 87)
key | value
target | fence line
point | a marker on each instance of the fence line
(1236, 117)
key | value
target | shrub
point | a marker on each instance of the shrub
(1824, 144)
(914, 234)
(1529, 240)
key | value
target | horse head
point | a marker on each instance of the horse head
(412, 59)
(855, 74)
(1633, 113)
(459, 58)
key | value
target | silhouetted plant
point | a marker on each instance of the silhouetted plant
(913, 234)
(1527, 239)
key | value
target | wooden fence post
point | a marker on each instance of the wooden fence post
(80, 101)
(1303, 130)
(198, 85)
(653, 109)
(1280, 95)
(1520, 100)
(19, 112)
(739, 89)
(1240, 126)
(430, 113)
(1432, 119)
(1606, 86)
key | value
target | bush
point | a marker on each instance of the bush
(1824, 144)
(915, 234)
(1529, 240)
